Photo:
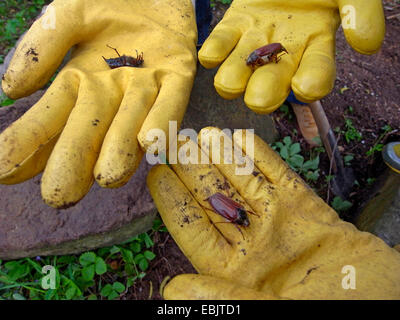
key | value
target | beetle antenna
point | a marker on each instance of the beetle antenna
(114, 50)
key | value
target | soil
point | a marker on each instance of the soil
(374, 95)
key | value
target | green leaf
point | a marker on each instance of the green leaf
(143, 264)
(136, 247)
(17, 296)
(147, 240)
(287, 140)
(101, 266)
(149, 255)
(106, 290)
(113, 295)
(49, 294)
(17, 271)
(130, 281)
(294, 148)
(341, 205)
(312, 175)
(119, 287)
(66, 259)
(311, 164)
(70, 293)
(88, 272)
(296, 161)
(114, 250)
(87, 258)
(127, 255)
(92, 297)
(139, 257)
(284, 152)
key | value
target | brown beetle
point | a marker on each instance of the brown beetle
(231, 210)
(266, 54)
(124, 61)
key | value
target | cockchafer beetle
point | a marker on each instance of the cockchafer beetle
(266, 54)
(229, 209)
(124, 61)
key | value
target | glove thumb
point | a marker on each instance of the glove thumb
(363, 24)
(200, 287)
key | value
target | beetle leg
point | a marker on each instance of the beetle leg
(253, 213)
(114, 50)
(237, 227)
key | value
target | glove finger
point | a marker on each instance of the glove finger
(202, 287)
(120, 153)
(241, 173)
(170, 105)
(204, 180)
(27, 143)
(267, 160)
(41, 50)
(269, 85)
(315, 76)
(219, 44)
(186, 220)
(363, 24)
(233, 75)
(69, 172)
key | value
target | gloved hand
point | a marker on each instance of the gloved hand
(306, 28)
(296, 246)
(93, 120)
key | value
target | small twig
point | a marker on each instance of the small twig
(393, 16)
(330, 167)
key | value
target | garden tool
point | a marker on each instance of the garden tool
(307, 125)
(343, 180)
(306, 28)
(131, 70)
(294, 246)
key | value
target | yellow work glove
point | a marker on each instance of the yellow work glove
(296, 246)
(306, 28)
(93, 120)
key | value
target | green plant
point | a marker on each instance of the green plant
(16, 17)
(112, 291)
(5, 101)
(104, 273)
(347, 159)
(350, 132)
(286, 111)
(378, 147)
(213, 2)
(290, 152)
(340, 205)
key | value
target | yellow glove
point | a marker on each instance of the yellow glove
(306, 28)
(295, 247)
(90, 122)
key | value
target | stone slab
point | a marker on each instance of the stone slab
(207, 108)
(28, 227)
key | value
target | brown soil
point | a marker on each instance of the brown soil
(169, 262)
(373, 93)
